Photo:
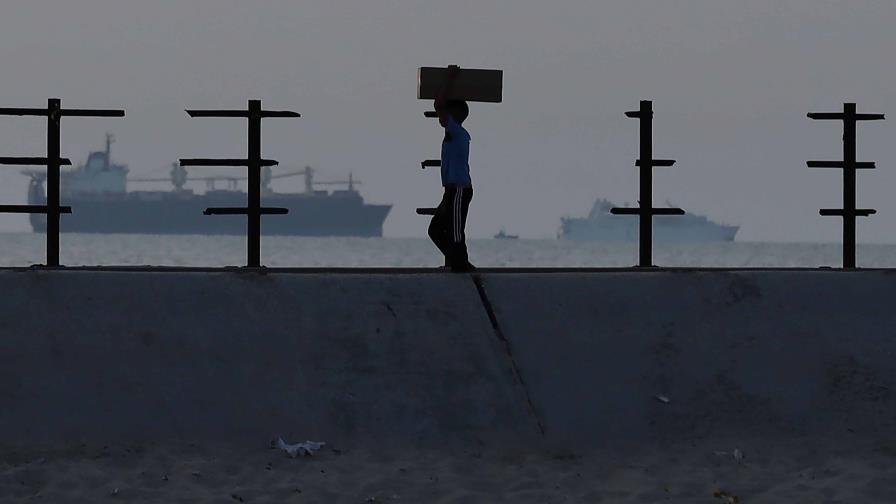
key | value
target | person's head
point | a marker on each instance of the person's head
(458, 110)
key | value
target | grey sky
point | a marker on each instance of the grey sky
(732, 81)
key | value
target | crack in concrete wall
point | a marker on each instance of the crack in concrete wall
(496, 327)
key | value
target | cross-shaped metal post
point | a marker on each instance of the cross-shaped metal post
(429, 163)
(849, 165)
(645, 210)
(254, 163)
(54, 113)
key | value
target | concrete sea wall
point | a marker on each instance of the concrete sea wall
(582, 359)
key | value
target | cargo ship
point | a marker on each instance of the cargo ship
(98, 193)
(601, 225)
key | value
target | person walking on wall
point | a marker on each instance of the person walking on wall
(447, 226)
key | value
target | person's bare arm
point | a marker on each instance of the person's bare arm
(439, 104)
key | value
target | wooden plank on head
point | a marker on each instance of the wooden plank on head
(472, 84)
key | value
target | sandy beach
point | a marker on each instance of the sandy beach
(847, 470)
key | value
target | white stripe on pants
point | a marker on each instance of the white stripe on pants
(458, 213)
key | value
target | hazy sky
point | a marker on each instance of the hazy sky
(732, 81)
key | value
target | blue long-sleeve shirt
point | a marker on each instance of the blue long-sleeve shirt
(456, 155)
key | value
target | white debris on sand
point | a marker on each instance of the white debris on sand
(736, 454)
(308, 448)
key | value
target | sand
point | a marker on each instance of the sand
(846, 470)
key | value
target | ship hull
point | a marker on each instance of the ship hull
(170, 213)
(666, 229)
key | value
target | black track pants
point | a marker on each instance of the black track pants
(447, 226)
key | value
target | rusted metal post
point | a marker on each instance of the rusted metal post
(253, 252)
(646, 183)
(429, 163)
(254, 163)
(54, 113)
(849, 165)
(849, 185)
(54, 105)
(646, 163)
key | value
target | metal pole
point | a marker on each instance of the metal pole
(849, 185)
(849, 165)
(54, 105)
(646, 163)
(254, 183)
(646, 219)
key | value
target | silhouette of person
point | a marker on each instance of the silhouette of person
(447, 226)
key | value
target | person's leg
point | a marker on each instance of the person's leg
(440, 227)
(460, 208)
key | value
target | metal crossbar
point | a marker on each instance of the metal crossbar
(849, 165)
(254, 163)
(54, 113)
(645, 211)
(429, 163)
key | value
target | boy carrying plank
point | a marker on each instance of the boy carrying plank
(447, 226)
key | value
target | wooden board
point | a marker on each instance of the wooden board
(472, 84)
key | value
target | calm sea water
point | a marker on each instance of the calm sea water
(23, 249)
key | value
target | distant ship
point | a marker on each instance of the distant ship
(101, 203)
(501, 235)
(601, 225)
